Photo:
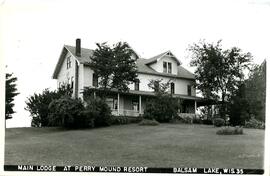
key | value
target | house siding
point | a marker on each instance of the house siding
(158, 66)
(180, 84)
(88, 76)
(67, 73)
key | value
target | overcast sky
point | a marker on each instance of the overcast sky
(34, 32)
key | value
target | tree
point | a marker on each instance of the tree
(219, 72)
(114, 66)
(67, 112)
(249, 100)
(38, 104)
(11, 92)
(163, 107)
(256, 91)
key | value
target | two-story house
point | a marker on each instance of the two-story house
(73, 68)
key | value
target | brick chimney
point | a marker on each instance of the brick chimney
(78, 47)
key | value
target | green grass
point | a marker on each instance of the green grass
(166, 145)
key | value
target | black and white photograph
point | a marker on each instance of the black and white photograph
(135, 87)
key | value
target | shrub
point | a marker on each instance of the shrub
(135, 119)
(148, 122)
(253, 123)
(230, 130)
(197, 121)
(38, 105)
(207, 122)
(184, 118)
(120, 120)
(218, 122)
(163, 108)
(67, 112)
(99, 110)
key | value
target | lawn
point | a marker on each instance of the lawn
(166, 145)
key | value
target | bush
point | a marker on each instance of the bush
(184, 118)
(148, 122)
(135, 119)
(38, 105)
(119, 120)
(99, 110)
(230, 130)
(207, 122)
(197, 121)
(162, 109)
(218, 122)
(67, 112)
(253, 123)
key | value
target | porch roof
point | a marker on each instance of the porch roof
(200, 100)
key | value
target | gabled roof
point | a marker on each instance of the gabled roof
(83, 59)
(142, 64)
(158, 57)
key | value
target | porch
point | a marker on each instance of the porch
(132, 103)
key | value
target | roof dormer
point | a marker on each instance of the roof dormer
(164, 63)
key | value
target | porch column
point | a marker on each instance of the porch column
(140, 104)
(118, 104)
(195, 107)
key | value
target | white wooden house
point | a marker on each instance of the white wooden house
(73, 68)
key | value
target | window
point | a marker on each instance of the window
(112, 103)
(135, 105)
(172, 88)
(68, 62)
(156, 86)
(115, 103)
(137, 84)
(164, 67)
(167, 67)
(72, 82)
(95, 80)
(68, 82)
(189, 90)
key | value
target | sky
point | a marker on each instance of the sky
(33, 33)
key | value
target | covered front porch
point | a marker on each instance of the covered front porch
(133, 103)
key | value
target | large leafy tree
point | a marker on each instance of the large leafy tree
(11, 92)
(249, 100)
(218, 72)
(115, 66)
(38, 104)
(256, 91)
(162, 107)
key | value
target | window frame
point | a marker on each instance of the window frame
(95, 80)
(189, 91)
(165, 67)
(137, 84)
(68, 62)
(172, 88)
(169, 67)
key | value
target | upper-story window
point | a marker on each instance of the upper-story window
(137, 84)
(68, 62)
(167, 67)
(95, 80)
(189, 90)
(156, 86)
(72, 82)
(172, 88)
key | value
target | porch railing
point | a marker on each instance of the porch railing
(126, 112)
